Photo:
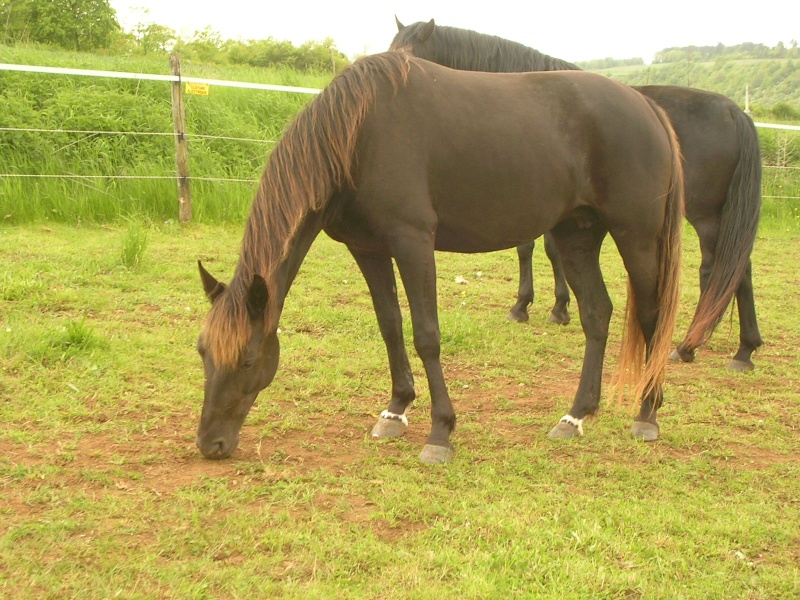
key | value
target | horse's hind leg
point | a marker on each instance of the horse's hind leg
(519, 312)
(707, 233)
(379, 274)
(641, 263)
(560, 311)
(579, 245)
(749, 336)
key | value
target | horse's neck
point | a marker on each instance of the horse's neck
(279, 270)
(513, 57)
(301, 243)
(537, 61)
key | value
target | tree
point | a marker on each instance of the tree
(205, 46)
(321, 56)
(16, 20)
(73, 24)
(152, 37)
(310, 56)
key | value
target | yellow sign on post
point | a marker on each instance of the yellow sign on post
(198, 89)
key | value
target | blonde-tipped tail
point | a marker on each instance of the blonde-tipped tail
(640, 369)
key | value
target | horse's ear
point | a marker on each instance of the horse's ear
(211, 286)
(426, 31)
(400, 26)
(257, 296)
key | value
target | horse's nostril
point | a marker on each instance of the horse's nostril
(215, 449)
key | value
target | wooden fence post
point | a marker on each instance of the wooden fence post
(181, 146)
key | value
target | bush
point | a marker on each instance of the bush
(784, 112)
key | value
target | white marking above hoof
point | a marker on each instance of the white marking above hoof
(395, 417)
(389, 425)
(576, 423)
(567, 428)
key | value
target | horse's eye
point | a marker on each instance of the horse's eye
(248, 364)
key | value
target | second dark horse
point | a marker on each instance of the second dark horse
(722, 166)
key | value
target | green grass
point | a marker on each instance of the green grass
(134, 244)
(102, 492)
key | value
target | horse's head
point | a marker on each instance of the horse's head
(416, 38)
(240, 359)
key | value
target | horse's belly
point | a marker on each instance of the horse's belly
(450, 240)
(495, 223)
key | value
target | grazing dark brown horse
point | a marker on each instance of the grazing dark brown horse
(399, 157)
(722, 165)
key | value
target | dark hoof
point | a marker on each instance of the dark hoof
(387, 428)
(436, 455)
(741, 366)
(678, 356)
(564, 431)
(558, 319)
(645, 431)
(518, 317)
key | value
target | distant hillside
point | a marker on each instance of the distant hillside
(771, 73)
(697, 54)
(739, 51)
(771, 81)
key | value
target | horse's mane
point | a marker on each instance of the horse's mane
(469, 50)
(313, 159)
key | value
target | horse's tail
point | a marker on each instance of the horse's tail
(641, 368)
(737, 234)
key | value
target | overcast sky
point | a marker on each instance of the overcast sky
(574, 30)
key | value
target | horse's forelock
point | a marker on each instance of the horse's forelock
(407, 36)
(228, 328)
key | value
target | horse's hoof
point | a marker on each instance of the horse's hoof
(558, 319)
(645, 431)
(676, 356)
(563, 431)
(518, 317)
(741, 366)
(436, 455)
(388, 427)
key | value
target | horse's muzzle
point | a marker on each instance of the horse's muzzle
(217, 448)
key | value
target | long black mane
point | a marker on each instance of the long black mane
(472, 51)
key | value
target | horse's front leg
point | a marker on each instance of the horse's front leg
(708, 234)
(413, 251)
(559, 314)
(749, 336)
(379, 274)
(519, 312)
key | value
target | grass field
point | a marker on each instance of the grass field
(103, 493)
